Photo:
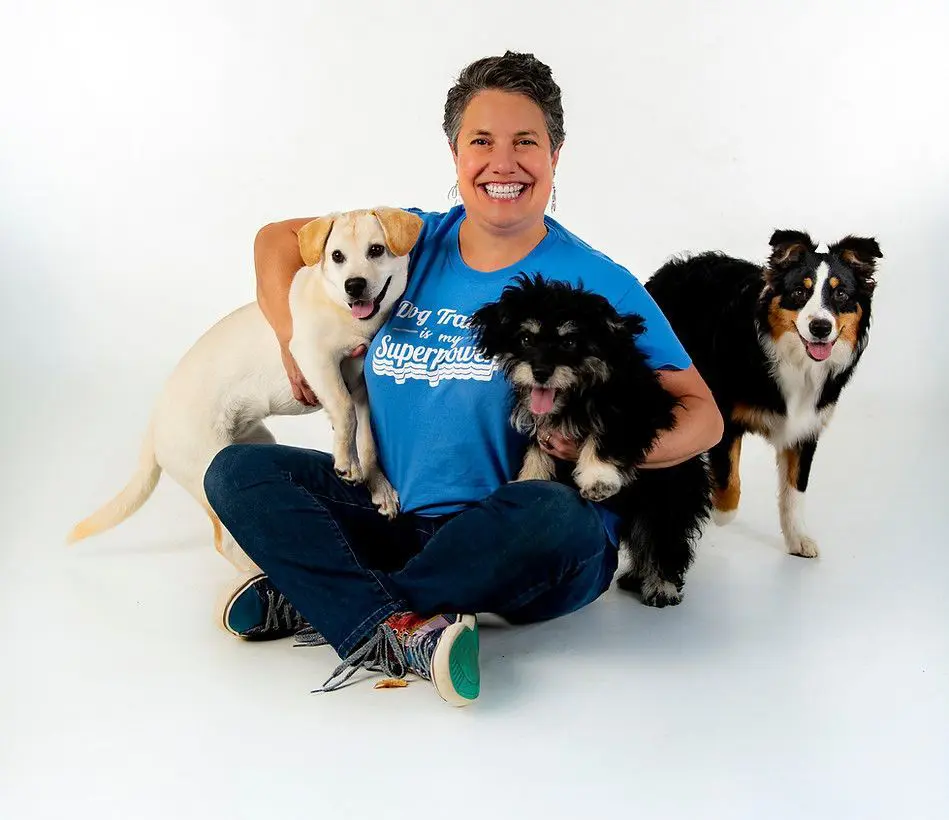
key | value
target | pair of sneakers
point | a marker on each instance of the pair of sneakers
(442, 649)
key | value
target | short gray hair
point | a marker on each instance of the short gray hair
(515, 73)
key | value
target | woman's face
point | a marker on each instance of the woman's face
(505, 168)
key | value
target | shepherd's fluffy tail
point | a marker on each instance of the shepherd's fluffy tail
(128, 501)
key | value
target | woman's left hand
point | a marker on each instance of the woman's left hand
(557, 445)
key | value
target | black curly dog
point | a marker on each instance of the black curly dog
(575, 368)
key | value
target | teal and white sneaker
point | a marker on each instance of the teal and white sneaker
(442, 649)
(253, 609)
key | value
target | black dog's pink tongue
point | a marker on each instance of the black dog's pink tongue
(819, 350)
(542, 400)
(361, 309)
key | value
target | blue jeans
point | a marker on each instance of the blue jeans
(530, 551)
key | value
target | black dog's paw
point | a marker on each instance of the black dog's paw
(600, 490)
(659, 593)
(653, 590)
(597, 480)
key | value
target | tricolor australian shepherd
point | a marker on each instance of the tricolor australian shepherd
(776, 345)
(575, 368)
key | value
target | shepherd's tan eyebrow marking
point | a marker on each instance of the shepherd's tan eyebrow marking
(531, 326)
(566, 327)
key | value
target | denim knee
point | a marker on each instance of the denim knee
(563, 523)
(224, 474)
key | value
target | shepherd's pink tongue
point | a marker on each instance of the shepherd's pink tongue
(542, 400)
(819, 350)
(361, 309)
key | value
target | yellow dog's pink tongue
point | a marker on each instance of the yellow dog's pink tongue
(542, 400)
(361, 309)
(819, 350)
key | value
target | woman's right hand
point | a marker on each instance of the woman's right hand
(301, 390)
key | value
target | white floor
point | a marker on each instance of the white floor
(780, 688)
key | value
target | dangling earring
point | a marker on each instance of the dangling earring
(553, 198)
(453, 193)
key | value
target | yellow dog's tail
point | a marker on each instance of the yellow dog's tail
(128, 501)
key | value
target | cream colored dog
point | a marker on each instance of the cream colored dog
(233, 377)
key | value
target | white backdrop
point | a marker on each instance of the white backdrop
(142, 146)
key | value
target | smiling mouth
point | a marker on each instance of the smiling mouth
(505, 191)
(818, 351)
(364, 309)
(542, 399)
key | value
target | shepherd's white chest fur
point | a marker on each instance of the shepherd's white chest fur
(801, 381)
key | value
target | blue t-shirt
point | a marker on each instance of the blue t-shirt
(440, 412)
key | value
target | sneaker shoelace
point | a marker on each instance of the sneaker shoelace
(308, 636)
(385, 652)
(278, 607)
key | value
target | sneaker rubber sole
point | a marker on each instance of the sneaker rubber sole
(229, 595)
(455, 672)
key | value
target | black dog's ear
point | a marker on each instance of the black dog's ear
(787, 248)
(630, 324)
(858, 253)
(487, 325)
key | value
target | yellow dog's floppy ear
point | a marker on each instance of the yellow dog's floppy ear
(312, 238)
(400, 228)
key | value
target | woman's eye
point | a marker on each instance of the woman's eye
(375, 251)
(338, 257)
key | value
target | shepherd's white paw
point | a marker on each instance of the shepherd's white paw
(802, 545)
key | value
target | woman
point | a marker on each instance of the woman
(402, 596)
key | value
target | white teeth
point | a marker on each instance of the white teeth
(507, 190)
